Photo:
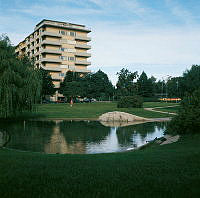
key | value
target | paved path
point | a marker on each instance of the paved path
(153, 109)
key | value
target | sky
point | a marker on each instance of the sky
(160, 37)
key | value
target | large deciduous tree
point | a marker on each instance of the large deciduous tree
(94, 85)
(48, 87)
(99, 85)
(20, 83)
(73, 85)
(125, 84)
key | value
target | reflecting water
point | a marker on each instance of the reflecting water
(77, 137)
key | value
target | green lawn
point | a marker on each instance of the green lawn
(161, 171)
(94, 110)
(158, 104)
(169, 109)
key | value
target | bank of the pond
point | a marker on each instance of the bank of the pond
(158, 171)
(92, 111)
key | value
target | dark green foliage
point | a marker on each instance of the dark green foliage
(191, 80)
(188, 118)
(173, 87)
(47, 84)
(72, 86)
(130, 101)
(145, 85)
(160, 88)
(94, 85)
(20, 83)
(125, 84)
(150, 99)
(184, 85)
(99, 86)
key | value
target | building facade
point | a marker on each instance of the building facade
(58, 47)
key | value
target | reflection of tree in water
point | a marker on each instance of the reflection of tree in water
(28, 135)
(125, 134)
(162, 125)
(83, 131)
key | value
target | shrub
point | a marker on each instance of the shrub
(150, 99)
(130, 101)
(188, 118)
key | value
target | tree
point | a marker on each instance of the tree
(160, 88)
(20, 83)
(190, 81)
(188, 118)
(125, 84)
(69, 77)
(47, 84)
(145, 86)
(99, 85)
(73, 85)
(94, 85)
(173, 87)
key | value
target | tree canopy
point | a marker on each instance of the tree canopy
(20, 83)
(94, 85)
(125, 84)
(48, 87)
(145, 85)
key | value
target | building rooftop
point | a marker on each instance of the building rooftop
(58, 22)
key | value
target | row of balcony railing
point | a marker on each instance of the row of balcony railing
(57, 60)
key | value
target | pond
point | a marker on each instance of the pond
(77, 137)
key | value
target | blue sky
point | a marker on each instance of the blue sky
(161, 37)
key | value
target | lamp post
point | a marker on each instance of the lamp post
(168, 78)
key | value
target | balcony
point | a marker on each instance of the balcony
(49, 51)
(53, 34)
(82, 38)
(56, 78)
(52, 60)
(48, 42)
(79, 62)
(82, 54)
(75, 69)
(55, 69)
(82, 46)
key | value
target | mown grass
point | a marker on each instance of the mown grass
(94, 110)
(158, 104)
(161, 171)
(169, 109)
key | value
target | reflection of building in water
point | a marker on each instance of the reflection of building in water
(58, 144)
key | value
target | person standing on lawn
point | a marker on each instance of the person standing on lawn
(71, 102)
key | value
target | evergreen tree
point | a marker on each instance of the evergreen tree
(20, 83)
(191, 80)
(145, 85)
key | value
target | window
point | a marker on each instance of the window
(62, 49)
(62, 32)
(71, 58)
(72, 33)
(63, 57)
(62, 74)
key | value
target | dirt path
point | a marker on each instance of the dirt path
(153, 109)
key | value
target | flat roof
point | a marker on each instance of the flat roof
(58, 22)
